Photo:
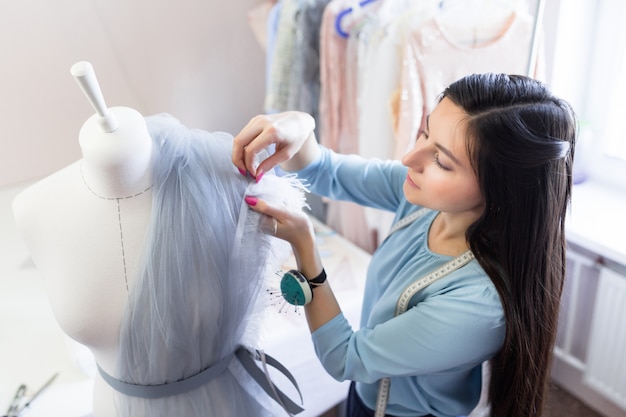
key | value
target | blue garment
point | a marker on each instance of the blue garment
(193, 302)
(433, 352)
(271, 31)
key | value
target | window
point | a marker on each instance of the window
(616, 126)
(589, 70)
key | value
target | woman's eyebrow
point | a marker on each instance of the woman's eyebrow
(448, 153)
(441, 147)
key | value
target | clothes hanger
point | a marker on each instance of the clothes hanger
(344, 13)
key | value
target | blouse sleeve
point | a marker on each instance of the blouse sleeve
(452, 329)
(370, 182)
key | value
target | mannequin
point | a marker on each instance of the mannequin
(111, 232)
(84, 227)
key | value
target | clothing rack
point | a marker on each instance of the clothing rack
(532, 58)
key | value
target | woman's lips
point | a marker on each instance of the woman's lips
(411, 183)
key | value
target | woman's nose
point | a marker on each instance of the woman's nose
(414, 158)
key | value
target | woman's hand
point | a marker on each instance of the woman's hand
(295, 227)
(288, 131)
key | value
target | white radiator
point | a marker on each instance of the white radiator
(606, 360)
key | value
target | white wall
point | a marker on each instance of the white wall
(197, 60)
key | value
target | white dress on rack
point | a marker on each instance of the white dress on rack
(379, 67)
(436, 54)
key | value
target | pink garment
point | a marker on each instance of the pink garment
(433, 59)
(338, 128)
(338, 124)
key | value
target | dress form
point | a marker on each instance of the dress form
(84, 227)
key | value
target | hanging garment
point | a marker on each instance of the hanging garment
(283, 50)
(338, 116)
(380, 62)
(205, 260)
(273, 19)
(434, 57)
(304, 90)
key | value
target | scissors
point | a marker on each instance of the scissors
(15, 409)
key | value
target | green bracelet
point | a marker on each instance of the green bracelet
(296, 289)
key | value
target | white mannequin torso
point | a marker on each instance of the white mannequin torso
(84, 227)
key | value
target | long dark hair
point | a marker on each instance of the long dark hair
(521, 145)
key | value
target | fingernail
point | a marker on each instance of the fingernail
(259, 175)
(244, 173)
(251, 200)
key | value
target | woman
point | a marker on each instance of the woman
(493, 166)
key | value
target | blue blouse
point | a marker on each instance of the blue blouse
(433, 352)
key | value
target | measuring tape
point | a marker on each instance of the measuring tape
(408, 293)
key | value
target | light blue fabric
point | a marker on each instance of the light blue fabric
(434, 351)
(205, 258)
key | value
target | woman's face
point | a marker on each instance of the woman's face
(440, 175)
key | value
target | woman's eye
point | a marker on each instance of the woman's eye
(439, 164)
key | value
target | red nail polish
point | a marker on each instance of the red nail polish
(259, 175)
(251, 200)
(244, 173)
